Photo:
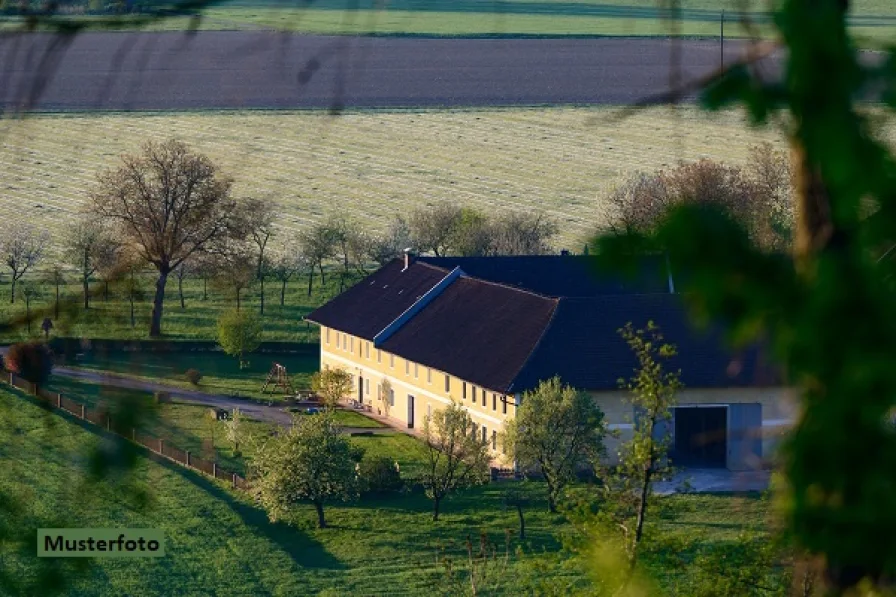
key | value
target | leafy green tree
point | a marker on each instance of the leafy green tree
(332, 385)
(644, 458)
(239, 333)
(557, 431)
(456, 455)
(235, 430)
(826, 313)
(312, 461)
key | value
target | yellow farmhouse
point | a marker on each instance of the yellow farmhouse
(422, 332)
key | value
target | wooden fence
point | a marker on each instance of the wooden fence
(101, 418)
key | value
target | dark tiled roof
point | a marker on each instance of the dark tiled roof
(373, 303)
(582, 346)
(478, 331)
(557, 275)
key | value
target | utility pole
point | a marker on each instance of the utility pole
(722, 42)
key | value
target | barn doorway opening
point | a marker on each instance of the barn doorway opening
(701, 437)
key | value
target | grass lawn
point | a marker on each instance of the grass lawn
(218, 541)
(220, 373)
(196, 320)
(189, 427)
(871, 19)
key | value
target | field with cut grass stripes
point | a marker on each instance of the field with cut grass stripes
(870, 19)
(374, 165)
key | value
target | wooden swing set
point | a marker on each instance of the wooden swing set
(280, 377)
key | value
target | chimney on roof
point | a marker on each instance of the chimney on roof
(407, 259)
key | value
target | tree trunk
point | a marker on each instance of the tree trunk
(28, 314)
(86, 285)
(283, 294)
(180, 292)
(261, 304)
(155, 326)
(519, 510)
(323, 280)
(310, 280)
(12, 292)
(237, 300)
(106, 290)
(435, 508)
(321, 521)
(642, 509)
(56, 305)
(552, 502)
(205, 289)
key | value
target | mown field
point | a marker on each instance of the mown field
(373, 165)
(871, 19)
(219, 542)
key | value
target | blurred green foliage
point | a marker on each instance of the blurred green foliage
(826, 312)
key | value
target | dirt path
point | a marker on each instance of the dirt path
(253, 410)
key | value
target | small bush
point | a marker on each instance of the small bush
(32, 361)
(193, 376)
(379, 474)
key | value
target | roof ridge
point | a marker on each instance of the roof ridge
(544, 332)
(464, 274)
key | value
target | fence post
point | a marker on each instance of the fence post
(82, 412)
(108, 423)
(161, 443)
(234, 480)
(58, 400)
(133, 434)
(188, 458)
(11, 378)
(33, 388)
(215, 470)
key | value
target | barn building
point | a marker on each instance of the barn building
(422, 332)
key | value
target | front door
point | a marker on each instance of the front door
(410, 412)
(360, 389)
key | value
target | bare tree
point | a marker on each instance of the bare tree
(318, 244)
(432, 228)
(88, 246)
(56, 277)
(639, 203)
(771, 173)
(30, 292)
(22, 247)
(259, 220)
(349, 243)
(289, 261)
(523, 233)
(388, 246)
(235, 272)
(181, 272)
(170, 203)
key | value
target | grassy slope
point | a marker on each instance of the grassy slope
(217, 541)
(372, 165)
(448, 17)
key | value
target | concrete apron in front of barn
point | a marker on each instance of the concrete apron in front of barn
(712, 480)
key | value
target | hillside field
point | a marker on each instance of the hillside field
(219, 542)
(871, 19)
(373, 165)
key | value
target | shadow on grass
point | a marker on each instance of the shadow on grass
(304, 550)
